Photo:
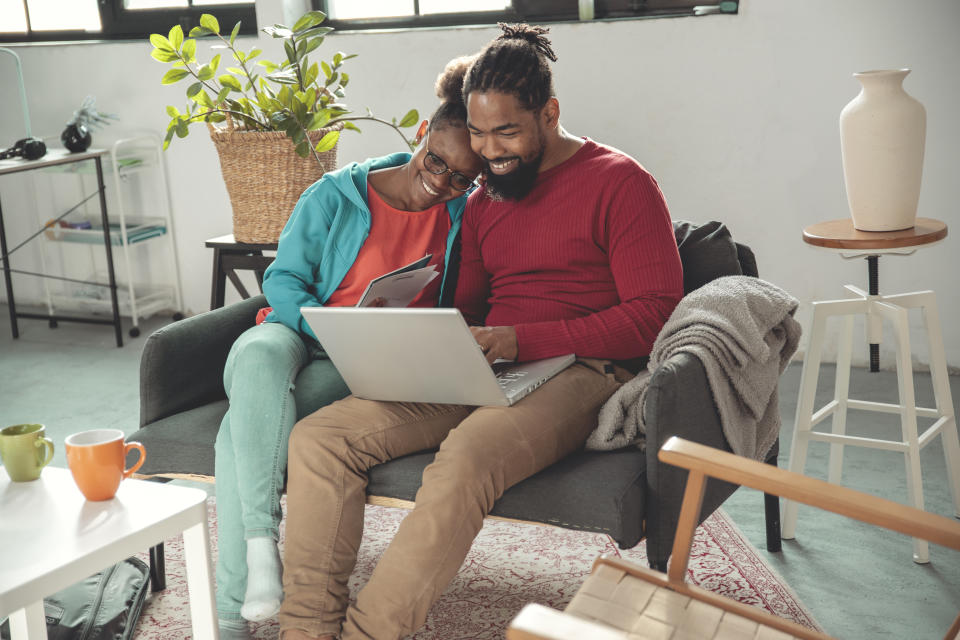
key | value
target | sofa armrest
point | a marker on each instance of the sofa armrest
(181, 366)
(679, 402)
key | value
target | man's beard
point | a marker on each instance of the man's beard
(514, 185)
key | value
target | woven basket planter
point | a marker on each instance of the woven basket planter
(265, 177)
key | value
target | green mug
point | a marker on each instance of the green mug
(25, 451)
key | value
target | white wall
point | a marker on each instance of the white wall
(736, 116)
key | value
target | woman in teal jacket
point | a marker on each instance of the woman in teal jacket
(327, 250)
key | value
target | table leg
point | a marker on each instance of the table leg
(109, 249)
(6, 278)
(196, 552)
(29, 623)
(217, 289)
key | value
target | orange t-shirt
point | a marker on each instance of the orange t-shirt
(396, 238)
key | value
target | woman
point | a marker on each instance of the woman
(349, 227)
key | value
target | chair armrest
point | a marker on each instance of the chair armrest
(824, 495)
(181, 366)
(678, 403)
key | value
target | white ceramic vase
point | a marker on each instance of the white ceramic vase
(882, 135)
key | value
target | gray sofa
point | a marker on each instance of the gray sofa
(627, 494)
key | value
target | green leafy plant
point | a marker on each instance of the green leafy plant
(295, 96)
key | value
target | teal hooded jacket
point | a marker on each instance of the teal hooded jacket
(323, 236)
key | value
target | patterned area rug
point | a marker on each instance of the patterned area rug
(510, 565)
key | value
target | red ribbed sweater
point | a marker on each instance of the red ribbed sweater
(587, 263)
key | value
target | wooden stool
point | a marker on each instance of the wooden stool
(840, 236)
(229, 256)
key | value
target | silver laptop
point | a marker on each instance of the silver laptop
(421, 355)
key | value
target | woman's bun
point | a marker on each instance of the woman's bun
(449, 86)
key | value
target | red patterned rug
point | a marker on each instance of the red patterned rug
(510, 565)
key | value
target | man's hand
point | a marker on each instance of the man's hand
(496, 342)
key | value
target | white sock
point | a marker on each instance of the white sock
(234, 630)
(264, 580)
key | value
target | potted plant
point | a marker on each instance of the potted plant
(282, 121)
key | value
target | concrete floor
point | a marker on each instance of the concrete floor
(859, 581)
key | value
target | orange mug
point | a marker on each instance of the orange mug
(97, 459)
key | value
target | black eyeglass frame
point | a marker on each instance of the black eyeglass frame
(437, 161)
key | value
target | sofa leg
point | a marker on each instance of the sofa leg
(771, 507)
(158, 573)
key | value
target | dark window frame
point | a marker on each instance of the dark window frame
(120, 23)
(534, 12)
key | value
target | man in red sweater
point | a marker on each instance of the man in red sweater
(567, 247)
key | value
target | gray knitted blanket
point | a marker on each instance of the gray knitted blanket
(743, 331)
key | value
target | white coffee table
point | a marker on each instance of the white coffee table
(52, 537)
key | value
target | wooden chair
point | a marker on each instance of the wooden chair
(624, 601)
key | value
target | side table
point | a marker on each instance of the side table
(841, 237)
(230, 255)
(58, 157)
(52, 537)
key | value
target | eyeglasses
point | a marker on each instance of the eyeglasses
(436, 165)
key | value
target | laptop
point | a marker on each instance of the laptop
(421, 355)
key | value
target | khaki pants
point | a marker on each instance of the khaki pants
(483, 451)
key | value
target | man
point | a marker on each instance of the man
(568, 247)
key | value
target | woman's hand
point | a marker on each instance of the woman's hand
(496, 342)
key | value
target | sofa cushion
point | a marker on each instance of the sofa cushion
(707, 252)
(588, 491)
(182, 443)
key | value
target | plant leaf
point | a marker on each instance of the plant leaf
(328, 141)
(230, 82)
(303, 148)
(176, 37)
(202, 99)
(163, 55)
(207, 21)
(174, 75)
(194, 89)
(349, 125)
(233, 34)
(291, 52)
(327, 71)
(278, 31)
(308, 20)
(253, 54)
(172, 112)
(160, 42)
(189, 50)
(215, 62)
(205, 72)
(319, 120)
(410, 119)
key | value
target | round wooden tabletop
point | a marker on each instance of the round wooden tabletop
(841, 234)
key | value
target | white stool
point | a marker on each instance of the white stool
(841, 236)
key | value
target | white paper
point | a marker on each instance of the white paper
(401, 286)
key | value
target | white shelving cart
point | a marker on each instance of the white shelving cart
(140, 216)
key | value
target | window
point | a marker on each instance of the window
(44, 20)
(387, 14)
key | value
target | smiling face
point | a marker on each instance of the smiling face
(510, 139)
(452, 146)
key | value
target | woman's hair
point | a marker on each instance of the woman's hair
(515, 63)
(452, 111)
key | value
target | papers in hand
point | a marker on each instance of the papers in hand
(401, 286)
